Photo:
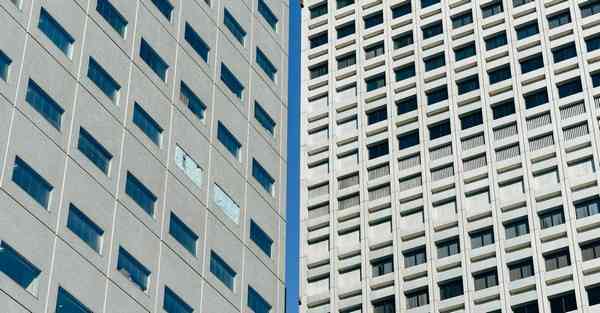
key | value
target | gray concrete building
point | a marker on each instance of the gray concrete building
(143, 151)
(449, 156)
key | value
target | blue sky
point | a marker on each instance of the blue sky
(293, 160)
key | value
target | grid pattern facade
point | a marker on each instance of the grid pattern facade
(449, 156)
(119, 191)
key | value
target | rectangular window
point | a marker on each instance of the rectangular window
(378, 149)
(346, 61)
(503, 109)
(437, 95)
(482, 238)
(536, 98)
(406, 105)
(234, 27)
(439, 130)
(467, 85)
(384, 306)
(527, 30)
(375, 82)
(595, 79)
(346, 30)
(464, 52)
(94, 151)
(256, 302)
(558, 259)
(67, 303)
(264, 119)
(265, 64)
(563, 303)
(263, 177)
(229, 79)
(559, 19)
(383, 266)
(531, 307)
(448, 248)
(532, 63)
(590, 250)
(164, 7)
(404, 40)
(462, 19)
(590, 8)
(551, 218)
(100, 77)
(415, 299)
(44, 104)
(318, 10)
(196, 42)
(377, 115)
(516, 228)
(112, 16)
(31, 182)
(587, 208)
(85, 228)
(319, 70)
(432, 30)
(593, 295)
(518, 3)
(495, 41)
(192, 101)
(592, 43)
(267, 14)
(5, 62)
(188, 165)
(183, 234)
(153, 60)
(405, 72)
(486, 279)
(415, 257)
(499, 74)
(569, 88)
(471, 119)
(374, 51)
(344, 3)
(373, 20)
(133, 270)
(564, 52)
(173, 303)
(436, 61)
(401, 10)
(492, 9)
(406, 141)
(226, 203)
(140, 194)
(428, 3)
(18, 269)
(318, 40)
(56, 33)
(260, 238)
(222, 270)
(228, 140)
(147, 124)
(451, 289)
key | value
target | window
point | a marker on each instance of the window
(464, 52)
(140, 194)
(405, 72)
(228, 140)
(226, 203)
(590, 250)
(518, 3)
(18, 269)
(56, 33)
(260, 238)
(558, 259)
(344, 3)
(408, 140)
(190, 167)
(383, 266)
(516, 228)
(595, 79)
(85, 228)
(451, 289)
(318, 10)
(467, 85)
(404, 40)
(462, 19)
(374, 51)
(43, 104)
(196, 42)
(471, 119)
(164, 7)
(587, 207)
(318, 40)
(592, 43)
(531, 307)
(434, 62)
(428, 3)
(563, 303)
(417, 298)
(564, 52)
(593, 295)
(267, 14)
(432, 30)
(222, 271)
(492, 9)
(553, 217)
(94, 151)
(256, 302)
(266, 65)
(147, 124)
(378, 149)
(559, 19)
(439, 130)
(183, 234)
(346, 30)
(527, 30)
(570, 88)
(112, 16)
(318, 70)
(384, 306)
(100, 77)
(536, 98)
(373, 20)
(5, 62)
(31, 182)
(401, 10)
(231, 82)
(503, 109)
(172, 303)
(153, 60)
(264, 119)
(406, 105)
(495, 41)
(590, 8)
(377, 115)
(375, 82)
(520, 270)
(66, 303)
(262, 176)
(234, 27)
(192, 101)
(448, 248)
(346, 60)
(485, 279)
(499, 74)
(415, 257)
(133, 269)
(437, 95)
(482, 238)
(532, 63)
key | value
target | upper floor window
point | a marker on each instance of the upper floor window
(439, 130)
(471, 119)
(448, 248)
(569, 88)
(190, 167)
(262, 176)
(264, 119)
(564, 52)
(193, 102)
(464, 52)
(256, 302)
(415, 299)
(267, 14)
(592, 43)
(437, 95)
(100, 77)
(559, 19)
(503, 109)
(558, 259)
(492, 9)
(406, 105)
(222, 271)
(536, 98)
(553, 217)
(595, 79)
(405, 72)
(587, 207)
(482, 238)
(346, 30)
(112, 16)
(415, 257)
(531, 307)
(468, 84)
(344, 3)
(173, 303)
(408, 140)
(518, 3)
(374, 50)
(485, 279)
(375, 82)
(232, 82)
(318, 10)
(566, 302)
(164, 7)
(18, 268)
(435, 61)
(401, 10)
(224, 202)
(495, 41)
(520, 270)
(532, 63)
(527, 30)
(196, 42)
(5, 62)
(377, 115)
(147, 124)
(94, 151)
(378, 149)
(85, 228)
(403, 40)
(450, 289)
(373, 20)
(432, 29)
(183, 234)
(135, 271)
(428, 3)
(383, 266)
(346, 60)
(266, 65)
(31, 182)
(67, 303)
(384, 306)
(462, 19)
(590, 250)
(228, 140)
(234, 27)
(153, 60)
(44, 104)
(140, 194)
(590, 8)
(499, 74)
(56, 33)
(260, 238)
(318, 40)
(516, 228)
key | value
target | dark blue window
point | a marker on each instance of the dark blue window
(590, 8)
(174, 304)
(404, 40)
(462, 19)
(401, 10)
(468, 84)
(318, 10)
(260, 238)
(196, 42)
(17, 268)
(495, 41)
(93, 150)
(439, 130)
(434, 62)
(405, 72)
(492, 9)
(503, 109)
(464, 52)
(85, 228)
(153, 60)
(66, 303)
(428, 3)
(471, 119)
(432, 30)
(377, 115)
(256, 302)
(5, 62)
(267, 14)
(229, 79)
(406, 105)
(344, 3)
(373, 20)
(532, 63)
(222, 270)
(31, 182)
(183, 234)
(265, 64)
(43, 104)
(264, 119)
(408, 140)
(228, 140)
(262, 176)
(165, 7)
(99, 76)
(564, 52)
(192, 101)
(527, 30)
(569, 88)
(346, 30)
(499, 74)
(518, 3)
(318, 40)
(375, 82)
(112, 16)
(592, 43)
(536, 98)
(140, 194)
(437, 95)
(234, 27)
(559, 19)
(133, 269)
(56, 33)
(378, 149)
(595, 79)
(147, 124)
